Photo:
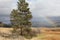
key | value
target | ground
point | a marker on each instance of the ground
(48, 34)
(45, 34)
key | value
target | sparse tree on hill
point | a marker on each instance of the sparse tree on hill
(20, 18)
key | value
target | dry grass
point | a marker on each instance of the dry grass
(48, 34)
(45, 34)
(5, 30)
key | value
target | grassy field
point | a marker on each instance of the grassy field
(45, 34)
(48, 34)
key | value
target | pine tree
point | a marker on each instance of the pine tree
(20, 18)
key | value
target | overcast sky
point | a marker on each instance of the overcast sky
(37, 7)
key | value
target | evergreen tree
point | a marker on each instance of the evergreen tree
(20, 18)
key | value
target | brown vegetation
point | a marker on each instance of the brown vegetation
(48, 34)
(43, 34)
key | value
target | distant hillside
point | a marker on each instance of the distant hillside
(36, 21)
(42, 22)
(5, 19)
(55, 19)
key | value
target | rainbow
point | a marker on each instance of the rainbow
(49, 20)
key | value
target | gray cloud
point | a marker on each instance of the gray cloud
(38, 7)
(5, 9)
(6, 6)
(45, 7)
